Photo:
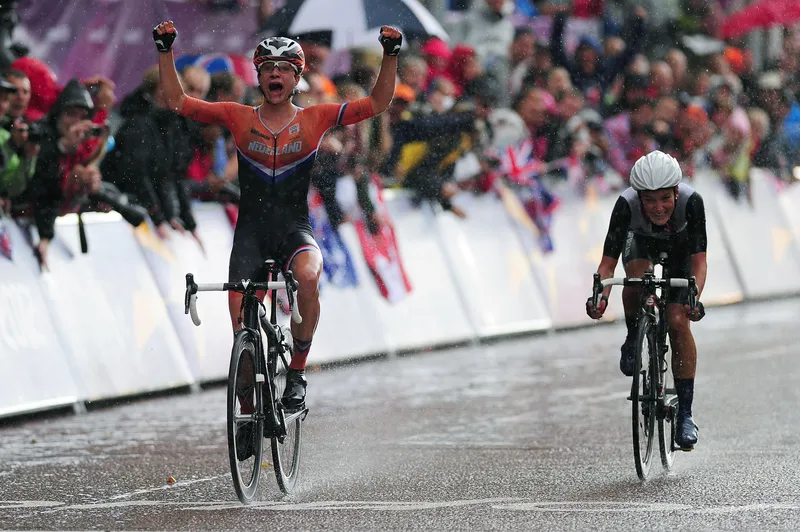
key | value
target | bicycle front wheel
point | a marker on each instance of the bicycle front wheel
(666, 422)
(285, 449)
(245, 425)
(643, 398)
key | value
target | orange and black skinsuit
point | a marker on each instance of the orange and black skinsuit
(274, 176)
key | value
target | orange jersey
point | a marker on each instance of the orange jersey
(275, 166)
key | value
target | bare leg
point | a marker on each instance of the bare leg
(306, 268)
(684, 365)
(631, 295)
(684, 350)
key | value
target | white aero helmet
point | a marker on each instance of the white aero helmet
(655, 171)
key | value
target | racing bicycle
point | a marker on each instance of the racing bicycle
(256, 381)
(653, 397)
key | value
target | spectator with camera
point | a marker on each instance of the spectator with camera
(67, 177)
(17, 153)
(18, 100)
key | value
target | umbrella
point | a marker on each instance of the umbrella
(352, 23)
(237, 64)
(763, 14)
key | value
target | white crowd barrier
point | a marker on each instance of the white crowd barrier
(723, 284)
(110, 315)
(111, 323)
(433, 313)
(565, 274)
(35, 370)
(763, 249)
(205, 348)
(493, 273)
(351, 324)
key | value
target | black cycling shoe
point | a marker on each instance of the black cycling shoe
(294, 396)
(627, 359)
(685, 432)
(244, 442)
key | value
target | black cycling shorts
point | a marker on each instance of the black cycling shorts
(252, 248)
(679, 262)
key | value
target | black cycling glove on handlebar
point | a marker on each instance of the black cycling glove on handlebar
(164, 42)
(590, 306)
(391, 46)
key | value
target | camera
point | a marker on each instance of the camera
(110, 195)
(96, 131)
(35, 132)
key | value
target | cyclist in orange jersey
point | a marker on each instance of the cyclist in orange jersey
(277, 143)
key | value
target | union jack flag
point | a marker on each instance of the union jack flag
(337, 260)
(521, 168)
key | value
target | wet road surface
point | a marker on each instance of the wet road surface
(527, 434)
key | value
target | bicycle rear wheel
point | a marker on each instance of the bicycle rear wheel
(666, 423)
(245, 425)
(643, 398)
(286, 449)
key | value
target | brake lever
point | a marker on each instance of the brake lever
(290, 280)
(596, 289)
(191, 289)
(291, 289)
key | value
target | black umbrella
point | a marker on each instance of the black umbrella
(349, 23)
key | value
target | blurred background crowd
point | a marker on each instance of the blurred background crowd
(537, 96)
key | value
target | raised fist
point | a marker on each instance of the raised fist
(164, 35)
(391, 39)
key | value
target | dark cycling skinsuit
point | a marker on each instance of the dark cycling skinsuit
(633, 235)
(274, 176)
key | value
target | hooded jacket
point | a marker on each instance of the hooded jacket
(50, 192)
(138, 163)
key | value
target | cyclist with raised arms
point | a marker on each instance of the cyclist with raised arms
(277, 143)
(658, 214)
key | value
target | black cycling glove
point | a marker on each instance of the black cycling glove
(391, 45)
(164, 42)
(590, 308)
(699, 306)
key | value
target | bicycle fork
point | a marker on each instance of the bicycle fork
(665, 407)
(650, 399)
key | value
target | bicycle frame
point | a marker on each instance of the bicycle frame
(649, 283)
(271, 419)
(654, 306)
(251, 320)
(651, 304)
(659, 402)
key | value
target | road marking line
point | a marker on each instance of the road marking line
(167, 487)
(512, 504)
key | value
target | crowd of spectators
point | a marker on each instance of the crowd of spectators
(588, 109)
